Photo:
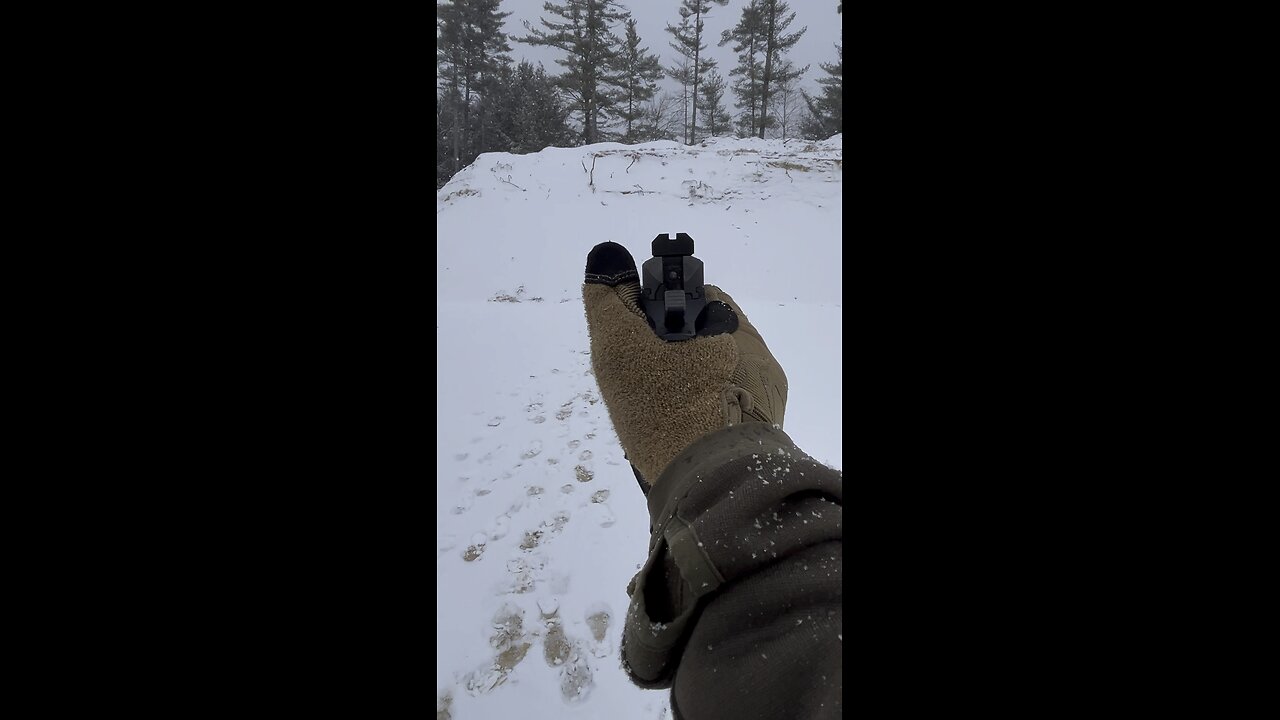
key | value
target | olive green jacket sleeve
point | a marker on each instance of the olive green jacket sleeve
(738, 608)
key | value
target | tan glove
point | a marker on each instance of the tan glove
(664, 395)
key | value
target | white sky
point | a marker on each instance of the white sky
(536, 507)
(815, 47)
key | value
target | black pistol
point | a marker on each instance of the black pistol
(672, 292)
(673, 296)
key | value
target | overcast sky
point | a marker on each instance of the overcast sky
(652, 16)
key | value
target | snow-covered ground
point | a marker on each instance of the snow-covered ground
(540, 523)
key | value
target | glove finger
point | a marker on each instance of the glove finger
(610, 265)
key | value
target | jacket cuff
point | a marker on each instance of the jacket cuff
(701, 501)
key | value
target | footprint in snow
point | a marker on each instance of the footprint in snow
(568, 655)
(534, 450)
(551, 526)
(558, 520)
(555, 644)
(495, 422)
(598, 617)
(510, 643)
(531, 540)
(523, 581)
(476, 549)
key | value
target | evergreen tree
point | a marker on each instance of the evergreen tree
(715, 118)
(641, 72)
(775, 20)
(491, 56)
(443, 150)
(747, 39)
(449, 69)
(529, 114)
(448, 121)
(470, 48)
(682, 69)
(688, 43)
(825, 112)
(585, 33)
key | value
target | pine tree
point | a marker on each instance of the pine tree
(641, 71)
(448, 122)
(682, 69)
(825, 112)
(529, 114)
(715, 118)
(491, 50)
(688, 43)
(470, 48)
(443, 154)
(747, 38)
(775, 19)
(586, 34)
(449, 61)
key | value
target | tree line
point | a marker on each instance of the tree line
(608, 88)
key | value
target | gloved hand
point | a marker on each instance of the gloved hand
(662, 395)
